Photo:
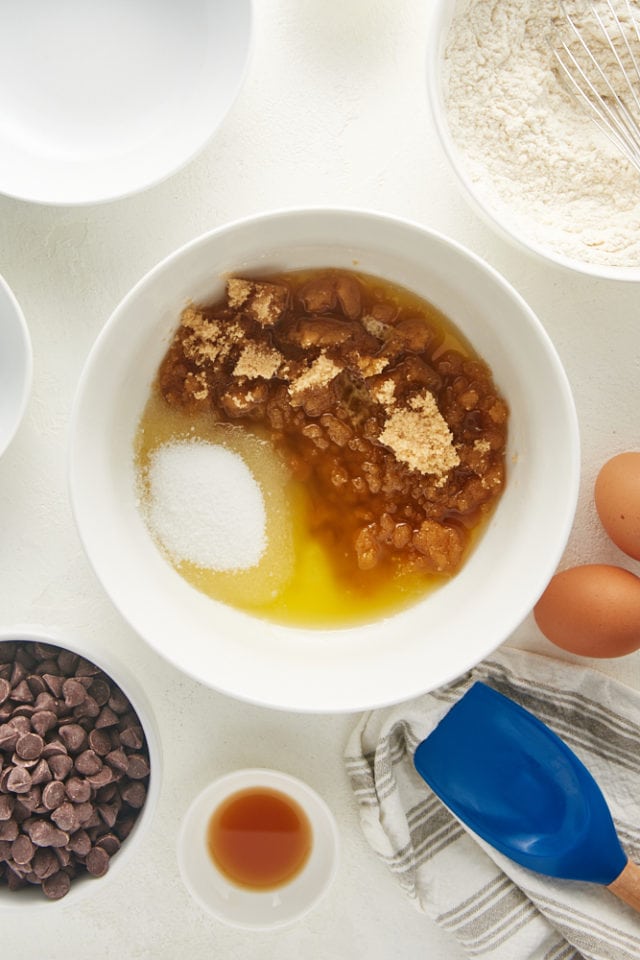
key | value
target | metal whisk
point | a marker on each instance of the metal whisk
(598, 53)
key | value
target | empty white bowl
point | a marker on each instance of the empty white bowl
(483, 198)
(257, 909)
(16, 365)
(100, 100)
(392, 658)
(84, 886)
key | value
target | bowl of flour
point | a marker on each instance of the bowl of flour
(526, 154)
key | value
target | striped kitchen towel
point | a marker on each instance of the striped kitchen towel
(492, 906)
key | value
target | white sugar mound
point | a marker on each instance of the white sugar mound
(205, 506)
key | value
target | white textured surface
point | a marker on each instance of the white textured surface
(333, 111)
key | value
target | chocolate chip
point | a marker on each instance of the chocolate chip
(109, 842)
(8, 829)
(67, 662)
(78, 790)
(22, 849)
(84, 812)
(65, 817)
(118, 702)
(14, 880)
(100, 691)
(29, 801)
(73, 692)
(118, 760)
(97, 861)
(19, 761)
(36, 684)
(45, 863)
(73, 737)
(7, 803)
(53, 794)
(60, 765)
(42, 721)
(41, 773)
(5, 689)
(20, 723)
(138, 767)
(29, 746)
(18, 673)
(56, 886)
(124, 827)
(88, 763)
(19, 780)
(109, 813)
(132, 737)
(8, 737)
(44, 834)
(134, 794)
(21, 693)
(86, 669)
(106, 718)
(100, 742)
(88, 708)
(54, 683)
(101, 778)
(80, 843)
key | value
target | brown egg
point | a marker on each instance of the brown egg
(592, 610)
(617, 497)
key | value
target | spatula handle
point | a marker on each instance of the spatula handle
(627, 885)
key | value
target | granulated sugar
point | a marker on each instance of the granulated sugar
(205, 506)
(532, 153)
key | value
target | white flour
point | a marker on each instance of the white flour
(535, 157)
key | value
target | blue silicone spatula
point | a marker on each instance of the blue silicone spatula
(517, 785)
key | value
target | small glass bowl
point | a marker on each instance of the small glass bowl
(253, 908)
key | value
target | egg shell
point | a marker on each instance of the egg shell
(592, 610)
(617, 498)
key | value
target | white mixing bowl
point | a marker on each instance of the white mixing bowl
(84, 885)
(393, 658)
(16, 365)
(483, 199)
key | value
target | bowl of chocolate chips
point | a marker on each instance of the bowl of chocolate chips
(324, 459)
(79, 769)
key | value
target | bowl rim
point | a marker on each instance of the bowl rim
(301, 701)
(435, 36)
(69, 639)
(110, 195)
(27, 359)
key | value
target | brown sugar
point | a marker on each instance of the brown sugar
(319, 374)
(420, 437)
(263, 302)
(258, 360)
(386, 417)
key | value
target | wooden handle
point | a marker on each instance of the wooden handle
(627, 885)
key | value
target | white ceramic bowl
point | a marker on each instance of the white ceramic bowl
(393, 658)
(82, 887)
(100, 100)
(441, 16)
(257, 909)
(16, 365)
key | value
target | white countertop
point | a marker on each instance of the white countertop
(333, 111)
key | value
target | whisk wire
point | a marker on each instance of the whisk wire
(606, 106)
